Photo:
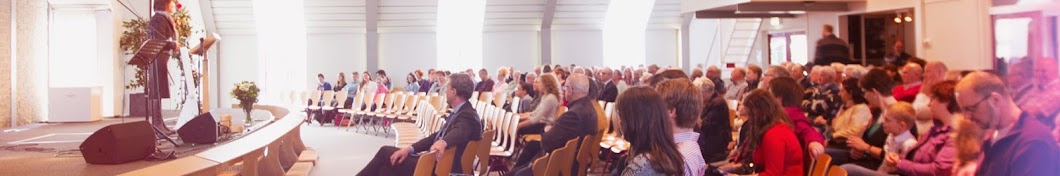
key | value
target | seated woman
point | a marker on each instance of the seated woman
(535, 121)
(411, 82)
(877, 86)
(854, 115)
(771, 147)
(642, 116)
(936, 151)
(898, 120)
(789, 92)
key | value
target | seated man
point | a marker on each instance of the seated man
(579, 120)
(463, 126)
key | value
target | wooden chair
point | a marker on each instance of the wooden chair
(445, 164)
(820, 165)
(562, 159)
(540, 165)
(585, 154)
(482, 153)
(837, 171)
(425, 165)
(467, 161)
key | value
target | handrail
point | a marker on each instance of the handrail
(248, 148)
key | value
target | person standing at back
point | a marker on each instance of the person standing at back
(831, 49)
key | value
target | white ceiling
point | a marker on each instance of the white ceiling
(348, 16)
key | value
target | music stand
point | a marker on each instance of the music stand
(148, 53)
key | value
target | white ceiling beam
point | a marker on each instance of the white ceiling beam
(225, 4)
(332, 17)
(407, 23)
(489, 21)
(513, 15)
(391, 3)
(515, 2)
(335, 24)
(319, 10)
(403, 9)
(581, 15)
(207, 15)
(515, 8)
(409, 16)
(581, 8)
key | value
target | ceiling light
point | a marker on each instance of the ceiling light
(797, 12)
(897, 20)
(908, 19)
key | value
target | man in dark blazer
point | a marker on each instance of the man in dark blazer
(462, 125)
(486, 85)
(579, 120)
(610, 90)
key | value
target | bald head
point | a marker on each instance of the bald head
(713, 72)
(1045, 70)
(579, 86)
(982, 84)
(911, 73)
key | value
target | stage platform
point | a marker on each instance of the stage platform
(52, 148)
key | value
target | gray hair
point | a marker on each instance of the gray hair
(827, 73)
(705, 85)
(462, 84)
(854, 71)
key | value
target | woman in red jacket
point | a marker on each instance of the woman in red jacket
(790, 94)
(771, 147)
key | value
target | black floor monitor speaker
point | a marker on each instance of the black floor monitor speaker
(200, 130)
(119, 143)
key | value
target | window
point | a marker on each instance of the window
(788, 47)
(73, 49)
(623, 34)
(459, 33)
(281, 46)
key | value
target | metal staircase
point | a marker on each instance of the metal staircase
(742, 40)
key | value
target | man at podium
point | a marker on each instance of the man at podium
(161, 27)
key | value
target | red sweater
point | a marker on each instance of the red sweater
(906, 94)
(780, 152)
(803, 130)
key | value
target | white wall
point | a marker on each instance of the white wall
(330, 54)
(238, 62)
(519, 49)
(401, 53)
(662, 47)
(578, 47)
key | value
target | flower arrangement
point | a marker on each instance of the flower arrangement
(247, 94)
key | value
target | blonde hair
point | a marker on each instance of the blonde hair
(903, 112)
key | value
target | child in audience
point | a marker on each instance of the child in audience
(898, 119)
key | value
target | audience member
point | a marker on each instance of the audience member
(897, 54)
(911, 75)
(1043, 95)
(934, 73)
(798, 72)
(715, 129)
(714, 74)
(789, 93)
(897, 122)
(697, 73)
(641, 114)
(486, 85)
(323, 84)
(774, 72)
(526, 96)
(340, 82)
(463, 125)
(877, 86)
(530, 78)
(853, 71)
(936, 152)
(854, 115)
(411, 82)
(579, 120)
(1020, 145)
(737, 86)
(610, 88)
(501, 83)
(753, 76)
(823, 102)
(684, 108)
(384, 80)
(771, 143)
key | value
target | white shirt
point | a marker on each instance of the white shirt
(736, 90)
(900, 144)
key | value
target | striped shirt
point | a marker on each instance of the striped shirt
(689, 147)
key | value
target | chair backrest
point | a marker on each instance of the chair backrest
(341, 98)
(560, 110)
(292, 98)
(315, 98)
(515, 104)
(562, 158)
(601, 102)
(358, 100)
(410, 102)
(425, 165)
(380, 98)
(483, 151)
(474, 95)
(540, 165)
(368, 100)
(513, 125)
(837, 171)
(585, 155)
(445, 164)
(399, 102)
(820, 165)
(328, 96)
(391, 99)
(609, 110)
(467, 161)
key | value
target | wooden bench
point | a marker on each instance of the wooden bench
(287, 155)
